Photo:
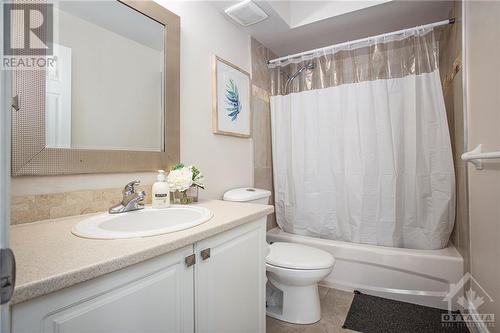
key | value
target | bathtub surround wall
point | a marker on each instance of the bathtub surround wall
(450, 64)
(482, 68)
(204, 33)
(261, 88)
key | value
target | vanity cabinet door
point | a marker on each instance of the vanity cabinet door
(230, 280)
(153, 296)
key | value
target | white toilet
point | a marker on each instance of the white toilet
(293, 271)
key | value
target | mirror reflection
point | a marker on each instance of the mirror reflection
(106, 90)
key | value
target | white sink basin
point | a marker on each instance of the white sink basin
(142, 223)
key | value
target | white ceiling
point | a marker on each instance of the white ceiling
(296, 26)
(298, 13)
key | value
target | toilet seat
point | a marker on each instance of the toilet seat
(298, 257)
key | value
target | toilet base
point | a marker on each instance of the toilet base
(300, 304)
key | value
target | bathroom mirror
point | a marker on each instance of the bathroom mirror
(110, 100)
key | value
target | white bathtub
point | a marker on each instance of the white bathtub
(416, 276)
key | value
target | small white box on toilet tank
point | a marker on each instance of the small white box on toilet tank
(248, 194)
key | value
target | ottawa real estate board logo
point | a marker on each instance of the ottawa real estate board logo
(470, 296)
(27, 35)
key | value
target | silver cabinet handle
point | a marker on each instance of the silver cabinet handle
(190, 260)
(205, 254)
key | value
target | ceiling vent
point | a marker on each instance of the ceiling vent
(246, 13)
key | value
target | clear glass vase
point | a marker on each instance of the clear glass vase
(185, 197)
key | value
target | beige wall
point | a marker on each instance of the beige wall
(227, 162)
(482, 35)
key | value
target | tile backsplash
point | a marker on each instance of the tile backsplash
(31, 208)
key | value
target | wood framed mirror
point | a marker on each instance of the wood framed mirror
(110, 101)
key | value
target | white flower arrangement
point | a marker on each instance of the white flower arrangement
(183, 177)
(180, 179)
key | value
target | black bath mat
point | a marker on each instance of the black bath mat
(371, 314)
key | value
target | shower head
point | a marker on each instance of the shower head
(297, 73)
(309, 66)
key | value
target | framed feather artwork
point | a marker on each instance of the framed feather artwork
(231, 100)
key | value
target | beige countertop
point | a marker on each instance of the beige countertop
(49, 257)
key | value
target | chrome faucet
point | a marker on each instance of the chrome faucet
(132, 200)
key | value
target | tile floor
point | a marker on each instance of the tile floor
(334, 307)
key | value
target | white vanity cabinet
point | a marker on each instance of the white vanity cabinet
(230, 280)
(222, 292)
(152, 296)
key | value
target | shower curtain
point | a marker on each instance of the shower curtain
(361, 147)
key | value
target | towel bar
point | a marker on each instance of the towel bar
(476, 155)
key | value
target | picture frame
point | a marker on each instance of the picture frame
(231, 109)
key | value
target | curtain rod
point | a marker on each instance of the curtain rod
(431, 25)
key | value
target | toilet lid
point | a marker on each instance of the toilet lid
(296, 256)
(246, 194)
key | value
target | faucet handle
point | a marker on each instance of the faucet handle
(130, 187)
(141, 195)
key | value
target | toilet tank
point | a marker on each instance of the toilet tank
(248, 194)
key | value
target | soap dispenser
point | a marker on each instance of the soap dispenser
(161, 191)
